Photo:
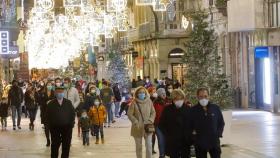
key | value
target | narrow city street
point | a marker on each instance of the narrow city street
(254, 134)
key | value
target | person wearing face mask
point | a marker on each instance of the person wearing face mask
(160, 103)
(92, 94)
(97, 115)
(208, 123)
(43, 97)
(141, 113)
(71, 93)
(174, 123)
(61, 121)
(153, 96)
(169, 89)
(84, 122)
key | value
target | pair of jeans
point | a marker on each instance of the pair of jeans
(99, 129)
(202, 153)
(4, 121)
(16, 113)
(161, 141)
(61, 135)
(117, 108)
(32, 115)
(85, 137)
(109, 112)
(148, 145)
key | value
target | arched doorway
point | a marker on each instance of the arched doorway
(178, 69)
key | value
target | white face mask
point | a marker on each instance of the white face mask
(203, 102)
(58, 84)
(84, 115)
(179, 103)
(97, 103)
(170, 90)
(155, 95)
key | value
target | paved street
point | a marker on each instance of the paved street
(254, 135)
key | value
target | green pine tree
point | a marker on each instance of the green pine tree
(118, 72)
(204, 63)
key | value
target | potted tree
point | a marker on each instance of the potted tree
(205, 68)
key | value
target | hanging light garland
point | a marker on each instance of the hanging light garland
(52, 40)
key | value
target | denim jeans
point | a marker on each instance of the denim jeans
(16, 112)
(161, 142)
(99, 129)
(109, 112)
(32, 115)
(85, 137)
(117, 108)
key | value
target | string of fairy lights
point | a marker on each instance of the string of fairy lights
(55, 37)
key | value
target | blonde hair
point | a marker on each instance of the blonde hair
(177, 93)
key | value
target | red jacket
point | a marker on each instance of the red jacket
(159, 106)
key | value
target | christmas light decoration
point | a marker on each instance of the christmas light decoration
(185, 22)
(52, 40)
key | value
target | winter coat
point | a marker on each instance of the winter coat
(149, 114)
(15, 96)
(208, 125)
(175, 123)
(117, 94)
(72, 94)
(85, 123)
(4, 108)
(89, 101)
(43, 99)
(97, 115)
(159, 105)
(30, 101)
(60, 115)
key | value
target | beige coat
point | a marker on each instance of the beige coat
(149, 114)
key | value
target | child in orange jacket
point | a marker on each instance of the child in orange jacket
(97, 115)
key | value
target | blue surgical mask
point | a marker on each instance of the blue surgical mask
(141, 96)
(60, 95)
(50, 88)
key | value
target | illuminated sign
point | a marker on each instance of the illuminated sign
(261, 52)
(4, 42)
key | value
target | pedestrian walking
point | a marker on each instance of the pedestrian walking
(71, 93)
(61, 120)
(31, 105)
(142, 114)
(208, 123)
(15, 98)
(44, 96)
(97, 115)
(107, 97)
(4, 107)
(84, 122)
(117, 99)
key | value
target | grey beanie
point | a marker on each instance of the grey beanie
(161, 92)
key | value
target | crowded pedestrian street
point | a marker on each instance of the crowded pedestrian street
(139, 78)
(253, 135)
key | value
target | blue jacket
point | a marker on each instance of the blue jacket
(208, 125)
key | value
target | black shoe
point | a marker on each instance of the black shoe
(19, 127)
(48, 143)
(14, 128)
(154, 152)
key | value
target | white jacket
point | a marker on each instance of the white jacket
(72, 94)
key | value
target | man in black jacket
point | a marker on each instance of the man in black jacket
(15, 98)
(61, 120)
(207, 122)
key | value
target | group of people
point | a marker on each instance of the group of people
(60, 101)
(156, 110)
(178, 125)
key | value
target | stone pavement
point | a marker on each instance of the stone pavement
(255, 134)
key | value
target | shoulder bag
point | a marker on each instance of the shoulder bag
(149, 128)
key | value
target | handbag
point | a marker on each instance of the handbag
(149, 128)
